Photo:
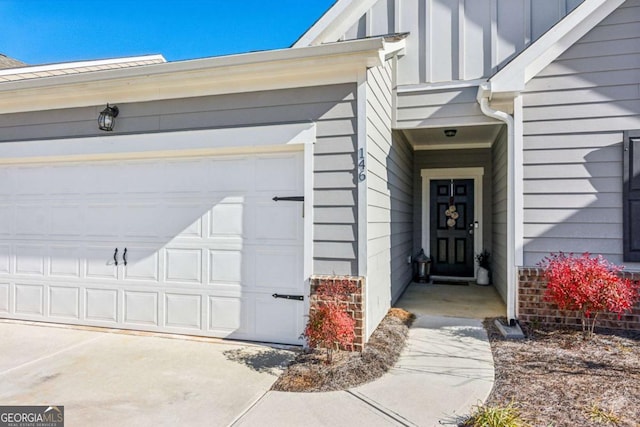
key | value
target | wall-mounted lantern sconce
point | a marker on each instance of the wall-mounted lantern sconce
(107, 117)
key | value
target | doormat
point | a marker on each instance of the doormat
(450, 282)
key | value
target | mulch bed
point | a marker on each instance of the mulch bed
(310, 372)
(556, 378)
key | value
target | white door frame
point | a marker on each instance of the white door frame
(476, 174)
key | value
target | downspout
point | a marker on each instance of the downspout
(484, 92)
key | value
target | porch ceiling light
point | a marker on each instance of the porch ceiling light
(450, 133)
(106, 119)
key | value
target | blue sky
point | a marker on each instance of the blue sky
(48, 31)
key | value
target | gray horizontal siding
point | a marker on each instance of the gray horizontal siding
(439, 108)
(332, 108)
(575, 112)
(389, 200)
(459, 39)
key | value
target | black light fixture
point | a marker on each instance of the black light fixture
(106, 119)
(450, 133)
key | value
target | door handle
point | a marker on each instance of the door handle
(124, 256)
(115, 257)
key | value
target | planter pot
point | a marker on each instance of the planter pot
(483, 276)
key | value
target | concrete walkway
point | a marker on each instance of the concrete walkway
(115, 378)
(446, 368)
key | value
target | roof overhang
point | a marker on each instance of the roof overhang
(276, 69)
(512, 79)
(335, 22)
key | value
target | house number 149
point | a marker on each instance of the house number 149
(361, 166)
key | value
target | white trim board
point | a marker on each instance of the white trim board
(477, 175)
(235, 140)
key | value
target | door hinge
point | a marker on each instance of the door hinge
(294, 297)
(288, 199)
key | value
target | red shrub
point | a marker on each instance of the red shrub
(589, 285)
(329, 325)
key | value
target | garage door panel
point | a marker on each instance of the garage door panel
(64, 302)
(140, 220)
(30, 259)
(227, 315)
(185, 177)
(277, 173)
(5, 259)
(66, 221)
(64, 261)
(279, 221)
(229, 175)
(183, 265)
(100, 263)
(141, 177)
(225, 267)
(69, 179)
(101, 305)
(29, 299)
(279, 269)
(142, 263)
(103, 220)
(31, 220)
(183, 311)
(273, 319)
(228, 218)
(33, 180)
(6, 220)
(183, 219)
(101, 179)
(4, 298)
(141, 308)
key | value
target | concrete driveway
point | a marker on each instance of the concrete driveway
(107, 379)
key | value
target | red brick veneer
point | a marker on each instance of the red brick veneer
(533, 309)
(354, 301)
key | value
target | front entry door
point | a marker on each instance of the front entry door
(452, 226)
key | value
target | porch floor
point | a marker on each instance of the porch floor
(472, 301)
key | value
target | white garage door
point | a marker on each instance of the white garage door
(190, 246)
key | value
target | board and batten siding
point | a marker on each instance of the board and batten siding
(439, 107)
(459, 39)
(575, 112)
(389, 200)
(332, 108)
(499, 156)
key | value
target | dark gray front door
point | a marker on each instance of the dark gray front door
(452, 227)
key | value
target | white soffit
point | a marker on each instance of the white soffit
(234, 140)
(335, 22)
(515, 75)
(277, 69)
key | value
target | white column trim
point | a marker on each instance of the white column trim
(362, 184)
(363, 222)
(475, 173)
(308, 222)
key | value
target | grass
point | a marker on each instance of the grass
(495, 416)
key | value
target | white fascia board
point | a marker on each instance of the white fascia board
(235, 140)
(335, 22)
(312, 66)
(515, 75)
(80, 64)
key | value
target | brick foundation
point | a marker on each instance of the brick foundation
(355, 303)
(533, 309)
